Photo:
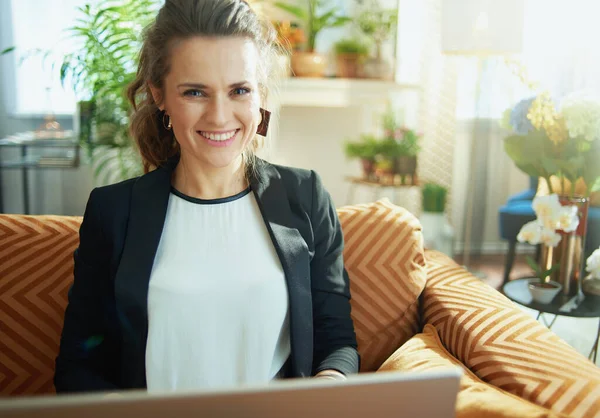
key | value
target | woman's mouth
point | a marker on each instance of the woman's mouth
(219, 139)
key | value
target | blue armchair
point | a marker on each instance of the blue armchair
(517, 211)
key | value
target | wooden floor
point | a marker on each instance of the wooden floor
(490, 268)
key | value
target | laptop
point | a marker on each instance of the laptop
(368, 395)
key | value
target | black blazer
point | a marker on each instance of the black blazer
(103, 343)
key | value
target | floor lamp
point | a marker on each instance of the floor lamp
(480, 29)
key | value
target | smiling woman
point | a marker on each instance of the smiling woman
(215, 268)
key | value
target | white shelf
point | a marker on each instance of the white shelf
(338, 92)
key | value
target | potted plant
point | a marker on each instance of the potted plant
(563, 142)
(366, 149)
(290, 37)
(378, 24)
(556, 224)
(401, 145)
(316, 17)
(542, 289)
(350, 54)
(384, 171)
(108, 38)
(437, 231)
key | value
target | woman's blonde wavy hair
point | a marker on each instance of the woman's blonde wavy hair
(183, 19)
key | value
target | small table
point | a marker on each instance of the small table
(517, 291)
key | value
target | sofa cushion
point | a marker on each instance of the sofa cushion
(503, 345)
(476, 399)
(36, 271)
(385, 261)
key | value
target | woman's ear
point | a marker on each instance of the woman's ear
(157, 96)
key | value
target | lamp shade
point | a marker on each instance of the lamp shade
(482, 27)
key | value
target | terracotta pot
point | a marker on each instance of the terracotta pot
(349, 65)
(309, 64)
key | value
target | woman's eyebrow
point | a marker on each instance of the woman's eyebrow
(203, 86)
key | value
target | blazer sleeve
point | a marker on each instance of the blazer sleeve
(86, 357)
(335, 345)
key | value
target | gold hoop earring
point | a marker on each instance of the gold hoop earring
(168, 125)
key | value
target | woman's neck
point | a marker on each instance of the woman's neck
(205, 182)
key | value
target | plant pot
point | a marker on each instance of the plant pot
(377, 68)
(543, 292)
(569, 253)
(282, 65)
(308, 64)
(435, 228)
(368, 167)
(406, 168)
(349, 65)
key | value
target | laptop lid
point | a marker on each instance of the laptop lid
(367, 395)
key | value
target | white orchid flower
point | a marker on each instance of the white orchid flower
(530, 233)
(549, 237)
(547, 209)
(567, 219)
(593, 264)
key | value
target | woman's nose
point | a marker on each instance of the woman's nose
(217, 112)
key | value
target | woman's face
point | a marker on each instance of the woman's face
(211, 94)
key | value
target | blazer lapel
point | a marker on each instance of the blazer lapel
(293, 253)
(149, 201)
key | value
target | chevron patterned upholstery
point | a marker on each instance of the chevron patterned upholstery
(505, 347)
(36, 270)
(385, 261)
(388, 269)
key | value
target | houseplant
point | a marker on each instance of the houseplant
(290, 38)
(437, 231)
(99, 70)
(350, 54)
(563, 142)
(555, 228)
(401, 145)
(366, 149)
(378, 24)
(315, 16)
(542, 289)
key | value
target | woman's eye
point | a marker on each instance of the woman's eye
(240, 91)
(193, 93)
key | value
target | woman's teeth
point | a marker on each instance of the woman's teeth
(218, 137)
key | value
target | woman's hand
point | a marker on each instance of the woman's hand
(330, 374)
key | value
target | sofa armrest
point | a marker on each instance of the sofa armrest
(503, 345)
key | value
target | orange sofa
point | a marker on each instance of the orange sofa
(406, 300)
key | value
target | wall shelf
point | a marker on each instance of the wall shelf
(339, 92)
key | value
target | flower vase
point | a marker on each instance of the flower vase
(569, 253)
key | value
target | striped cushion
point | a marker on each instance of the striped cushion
(476, 399)
(36, 270)
(503, 345)
(385, 262)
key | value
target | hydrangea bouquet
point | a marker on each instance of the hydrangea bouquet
(564, 141)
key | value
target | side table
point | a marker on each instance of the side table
(517, 291)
